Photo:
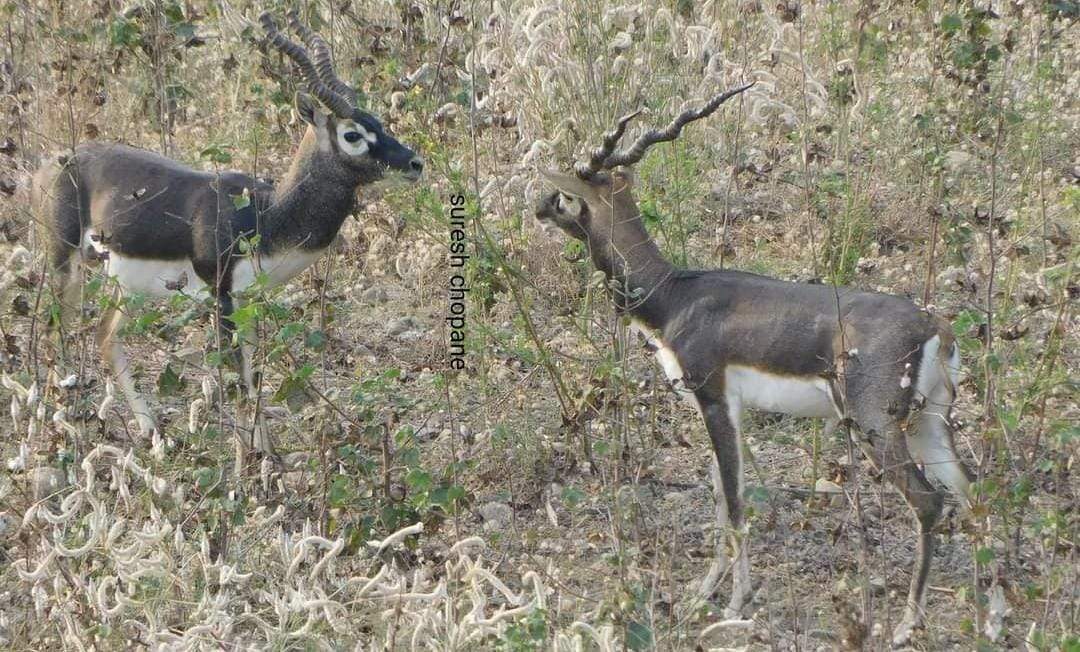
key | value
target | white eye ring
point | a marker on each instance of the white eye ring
(358, 147)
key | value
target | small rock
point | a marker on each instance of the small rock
(447, 113)
(866, 265)
(7, 525)
(374, 295)
(958, 161)
(877, 586)
(410, 335)
(823, 486)
(296, 461)
(296, 481)
(497, 516)
(400, 325)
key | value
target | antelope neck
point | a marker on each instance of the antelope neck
(637, 271)
(311, 202)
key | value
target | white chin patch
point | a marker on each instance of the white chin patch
(570, 205)
(360, 145)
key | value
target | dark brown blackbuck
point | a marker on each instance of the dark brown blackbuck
(731, 341)
(160, 227)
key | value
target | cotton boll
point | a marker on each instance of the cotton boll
(19, 258)
(194, 412)
(621, 42)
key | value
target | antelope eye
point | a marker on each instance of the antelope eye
(352, 136)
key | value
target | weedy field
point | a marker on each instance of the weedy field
(554, 494)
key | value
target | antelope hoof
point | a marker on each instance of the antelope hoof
(737, 608)
(712, 580)
(742, 591)
(902, 634)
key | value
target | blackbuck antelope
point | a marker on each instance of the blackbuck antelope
(161, 227)
(730, 340)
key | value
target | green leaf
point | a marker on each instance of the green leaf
(289, 331)
(340, 490)
(244, 317)
(316, 340)
(446, 497)
(174, 12)
(984, 555)
(206, 477)
(293, 389)
(756, 494)
(418, 480)
(638, 636)
(184, 31)
(241, 201)
(123, 33)
(169, 382)
(951, 23)
(572, 496)
(216, 153)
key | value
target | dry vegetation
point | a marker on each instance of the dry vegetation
(928, 151)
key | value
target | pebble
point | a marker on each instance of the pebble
(497, 516)
(374, 295)
(400, 325)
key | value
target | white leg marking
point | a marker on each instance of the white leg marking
(118, 364)
(669, 362)
(738, 538)
(932, 446)
(71, 295)
(721, 562)
(808, 396)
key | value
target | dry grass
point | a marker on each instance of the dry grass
(925, 152)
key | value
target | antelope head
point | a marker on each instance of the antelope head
(355, 137)
(598, 198)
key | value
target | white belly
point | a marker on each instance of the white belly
(154, 278)
(801, 396)
(281, 267)
(163, 278)
(747, 387)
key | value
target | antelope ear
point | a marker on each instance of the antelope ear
(305, 106)
(621, 180)
(568, 184)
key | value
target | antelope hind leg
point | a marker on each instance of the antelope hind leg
(118, 364)
(254, 417)
(722, 422)
(890, 454)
